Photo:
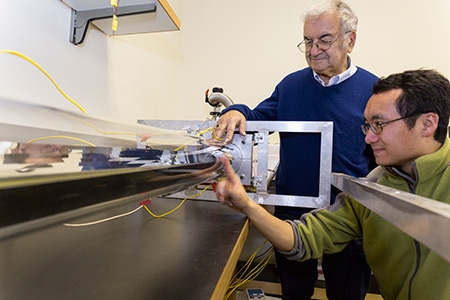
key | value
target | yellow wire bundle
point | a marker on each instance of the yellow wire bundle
(243, 275)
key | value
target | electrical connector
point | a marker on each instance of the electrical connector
(114, 23)
(145, 202)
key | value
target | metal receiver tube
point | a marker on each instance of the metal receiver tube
(217, 98)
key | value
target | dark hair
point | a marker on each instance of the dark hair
(423, 91)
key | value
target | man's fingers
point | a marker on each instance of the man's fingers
(229, 172)
(242, 129)
(229, 136)
(220, 129)
(226, 166)
(219, 190)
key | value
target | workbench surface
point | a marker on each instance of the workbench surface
(189, 254)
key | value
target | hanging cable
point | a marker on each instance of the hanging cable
(12, 52)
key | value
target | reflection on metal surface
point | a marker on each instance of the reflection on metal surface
(39, 190)
(54, 161)
(425, 220)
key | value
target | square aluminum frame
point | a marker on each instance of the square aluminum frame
(260, 131)
(264, 128)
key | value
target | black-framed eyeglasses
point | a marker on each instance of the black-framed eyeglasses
(377, 127)
(305, 46)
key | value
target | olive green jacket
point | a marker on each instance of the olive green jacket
(404, 268)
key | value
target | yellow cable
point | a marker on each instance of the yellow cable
(239, 279)
(108, 132)
(254, 273)
(197, 134)
(45, 73)
(204, 131)
(60, 137)
(249, 261)
(178, 206)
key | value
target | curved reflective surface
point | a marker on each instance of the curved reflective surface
(53, 161)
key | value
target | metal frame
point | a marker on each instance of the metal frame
(264, 128)
(259, 132)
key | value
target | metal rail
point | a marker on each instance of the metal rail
(426, 220)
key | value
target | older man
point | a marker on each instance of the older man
(332, 88)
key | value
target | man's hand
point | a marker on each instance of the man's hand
(228, 123)
(229, 190)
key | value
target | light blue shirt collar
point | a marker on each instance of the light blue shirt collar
(338, 78)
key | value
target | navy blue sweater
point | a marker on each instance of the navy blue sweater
(299, 97)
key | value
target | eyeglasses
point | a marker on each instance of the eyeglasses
(305, 46)
(377, 127)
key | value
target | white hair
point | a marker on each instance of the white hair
(349, 21)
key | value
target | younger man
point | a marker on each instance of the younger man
(406, 124)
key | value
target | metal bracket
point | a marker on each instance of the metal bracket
(82, 18)
(259, 138)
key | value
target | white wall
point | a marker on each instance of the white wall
(244, 46)
(40, 30)
(248, 46)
